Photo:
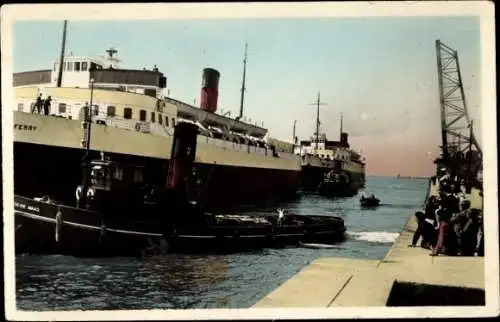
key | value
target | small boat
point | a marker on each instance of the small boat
(237, 232)
(369, 201)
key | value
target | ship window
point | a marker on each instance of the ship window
(77, 66)
(153, 117)
(62, 107)
(84, 66)
(173, 122)
(20, 107)
(127, 113)
(138, 176)
(92, 66)
(111, 111)
(160, 119)
(95, 109)
(118, 173)
(166, 120)
(142, 115)
(70, 66)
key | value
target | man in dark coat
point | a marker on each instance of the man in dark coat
(480, 246)
(38, 105)
(468, 233)
(420, 231)
(46, 105)
(431, 221)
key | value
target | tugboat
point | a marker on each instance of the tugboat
(116, 214)
(369, 201)
(109, 217)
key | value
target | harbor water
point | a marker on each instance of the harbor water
(46, 283)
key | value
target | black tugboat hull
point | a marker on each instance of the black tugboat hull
(293, 231)
(80, 233)
(77, 233)
(228, 242)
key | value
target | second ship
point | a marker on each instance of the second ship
(330, 168)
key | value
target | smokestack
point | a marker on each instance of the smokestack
(209, 90)
(182, 155)
(344, 139)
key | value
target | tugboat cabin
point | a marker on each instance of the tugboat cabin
(107, 175)
(115, 188)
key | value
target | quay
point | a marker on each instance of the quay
(405, 277)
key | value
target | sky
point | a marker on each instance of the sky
(379, 72)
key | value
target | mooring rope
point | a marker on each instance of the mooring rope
(59, 223)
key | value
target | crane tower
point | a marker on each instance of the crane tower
(460, 151)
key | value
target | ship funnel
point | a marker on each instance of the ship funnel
(209, 90)
(343, 138)
(182, 155)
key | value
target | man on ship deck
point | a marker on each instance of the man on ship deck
(38, 105)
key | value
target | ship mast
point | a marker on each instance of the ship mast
(293, 138)
(243, 82)
(61, 60)
(341, 119)
(318, 103)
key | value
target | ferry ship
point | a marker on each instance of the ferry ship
(236, 162)
(330, 167)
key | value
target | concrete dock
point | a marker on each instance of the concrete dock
(405, 277)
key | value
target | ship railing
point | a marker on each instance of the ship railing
(234, 146)
(73, 112)
(113, 121)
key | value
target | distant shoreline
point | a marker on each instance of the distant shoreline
(400, 177)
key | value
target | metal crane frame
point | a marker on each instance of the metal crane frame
(456, 128)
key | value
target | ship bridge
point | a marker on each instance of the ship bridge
(78, 71)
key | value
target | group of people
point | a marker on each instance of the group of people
(449, 225)
(42, 104)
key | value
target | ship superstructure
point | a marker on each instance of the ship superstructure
(236, 161)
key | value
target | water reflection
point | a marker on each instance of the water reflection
(215, 281)
(181, 272)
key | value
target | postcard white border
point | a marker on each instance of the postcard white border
(483, 9)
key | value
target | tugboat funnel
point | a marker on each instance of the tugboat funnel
(183, 154)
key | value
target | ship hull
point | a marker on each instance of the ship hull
(313, 176)
(55, 171)
(46, 227)
(78, 232)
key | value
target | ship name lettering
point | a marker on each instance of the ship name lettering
(33, 208)
(24, 127)
(20, 205)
